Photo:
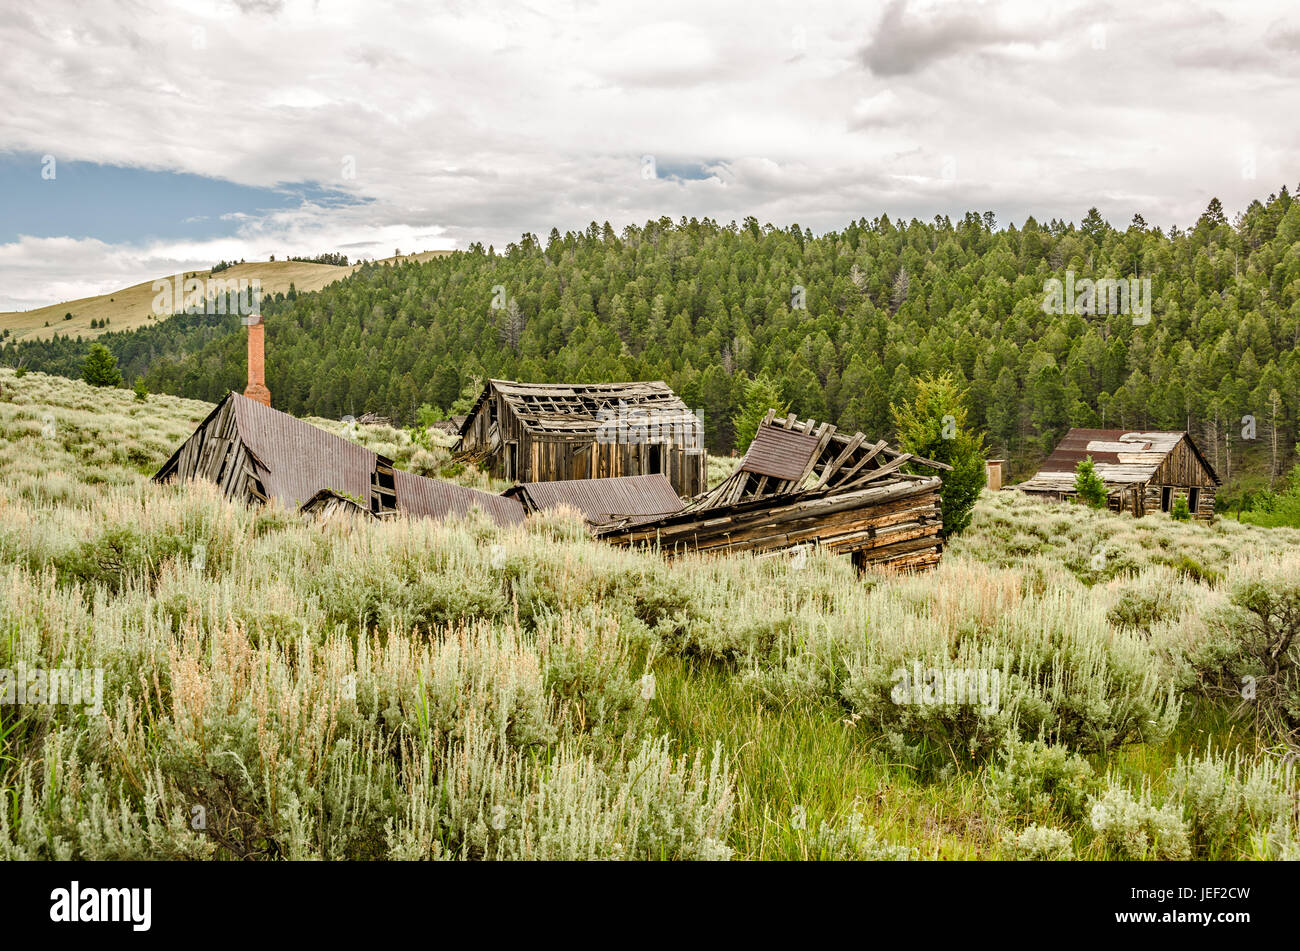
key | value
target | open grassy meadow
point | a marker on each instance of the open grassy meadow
(255, 685)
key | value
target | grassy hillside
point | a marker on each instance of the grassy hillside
(274, 688)
(131, 307)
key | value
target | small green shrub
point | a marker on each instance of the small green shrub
(1134, 829)
(1228, 801)
(1039, 844)
(1088, 486)
(1140, 607)
(1034, 778)
(855, 840)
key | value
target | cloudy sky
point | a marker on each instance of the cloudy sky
(138, 138)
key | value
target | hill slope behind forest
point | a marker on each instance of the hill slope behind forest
(130, 308)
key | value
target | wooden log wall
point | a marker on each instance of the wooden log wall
(1153, 499)
(900, 525)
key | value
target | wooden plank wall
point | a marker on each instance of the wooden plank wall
(553, 458)
(1183, 471)
(1182, 468)
(216, 453)
(495, 428)
(549, 458)
(898, 525)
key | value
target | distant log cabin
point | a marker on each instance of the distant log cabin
(1143, 471)
(535, 432)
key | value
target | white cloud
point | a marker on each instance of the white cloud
(487, 123)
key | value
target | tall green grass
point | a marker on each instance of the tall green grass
(276, 688)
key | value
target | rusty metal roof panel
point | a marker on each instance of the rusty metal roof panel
(420, 497)
(779, 453)
(600, 500)
(296, 459)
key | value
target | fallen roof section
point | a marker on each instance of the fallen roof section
(602, 500)
(789, 455)
(804, 483)
(289, 458)
(421, 497)
(298, 458)
(303, 466)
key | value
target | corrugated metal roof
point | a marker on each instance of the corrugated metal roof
(599, 500)
(296, 459)
(779, 453)
(420, 497)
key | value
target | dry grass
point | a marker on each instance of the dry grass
(130, 307)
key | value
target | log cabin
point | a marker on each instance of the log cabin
(1144, 471)
(547, 432)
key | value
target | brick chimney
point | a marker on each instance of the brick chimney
(256, 389)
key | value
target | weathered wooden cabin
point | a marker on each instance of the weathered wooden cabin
(1143, 471)
(801, 483)
(450, 427)
(257, 454)
(548, 432)
(601, 500)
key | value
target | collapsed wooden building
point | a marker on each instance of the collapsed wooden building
(1143, 471)
(257, 454)
(601, 500)
(800, 484)
(804, 483)
(548, 432)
